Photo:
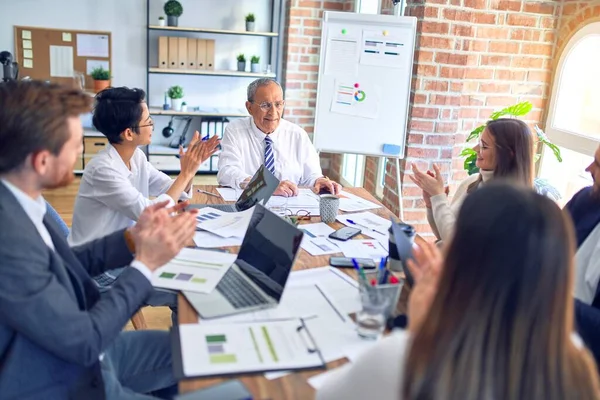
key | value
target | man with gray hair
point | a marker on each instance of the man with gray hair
(266, 139)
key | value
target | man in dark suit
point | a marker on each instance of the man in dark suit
(58, 338)
(584, 209)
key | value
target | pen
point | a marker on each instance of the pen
(381, 271)
(205, 192)
(205, 137)
(361, 273)
(364, 226)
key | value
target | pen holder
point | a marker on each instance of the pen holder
(389, 290)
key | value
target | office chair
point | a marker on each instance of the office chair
(138, 320)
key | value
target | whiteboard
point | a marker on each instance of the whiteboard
(364, 80)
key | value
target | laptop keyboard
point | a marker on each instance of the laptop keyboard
(239, 293)
(223, 207)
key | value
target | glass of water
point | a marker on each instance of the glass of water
(370, 320)
(278, 205)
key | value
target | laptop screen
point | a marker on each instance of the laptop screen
(269, 250)
(261, 187)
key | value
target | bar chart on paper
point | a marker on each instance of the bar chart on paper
(193, 270)
(246, 347)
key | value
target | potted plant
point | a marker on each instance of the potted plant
(101, 78)
(173, 9)
(254, 64)
(161, 21)
(176, 94)
(241, 59)
(250, 22)
(184, 106)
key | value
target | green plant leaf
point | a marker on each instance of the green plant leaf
(516, 110)
(469, 164)
(475, 133)
(467, 152)
(173, 8)
(542, 137)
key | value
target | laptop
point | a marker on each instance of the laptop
(260, 187)
(258, 276)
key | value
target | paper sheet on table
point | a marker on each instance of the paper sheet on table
(342, 288)
(251, 347)
(306, 200)
(315, 240)
(372, 249)
(350, 203)
(370, 224)
(210, 240)
(319, 246)
(227, 224)
(229, 194)
(193, 270)
(299, 301)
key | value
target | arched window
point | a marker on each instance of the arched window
(574, 116)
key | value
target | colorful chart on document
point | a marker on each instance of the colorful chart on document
(193, 270)
(245, 347)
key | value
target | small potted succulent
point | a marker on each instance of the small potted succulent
(184, 106)
(101, 78)
(173, 9)
(255, 64)
(161, 21)
(241, 59)
(175, 93)
(250, 22)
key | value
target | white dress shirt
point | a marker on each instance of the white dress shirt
(587, 267)
(376, 374)
(112, 197)
(243, 152)
(35, 210)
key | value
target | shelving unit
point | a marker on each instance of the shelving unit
(273, 58)
(254, 75)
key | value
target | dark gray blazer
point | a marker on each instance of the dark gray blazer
(53, 323)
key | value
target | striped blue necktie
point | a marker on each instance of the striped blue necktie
(269, 159)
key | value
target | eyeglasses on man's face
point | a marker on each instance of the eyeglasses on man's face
(150, 124)
(266, 105)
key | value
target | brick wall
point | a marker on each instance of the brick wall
(301, 65)
(472, 57)
(574, 15)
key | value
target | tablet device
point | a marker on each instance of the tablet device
(405, 250)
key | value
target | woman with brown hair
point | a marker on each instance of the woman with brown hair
(505, 150)
(494, 320)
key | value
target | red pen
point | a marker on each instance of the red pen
(373, 282)
(394, 280)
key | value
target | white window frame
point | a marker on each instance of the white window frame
(380, 176)
(564, 138)
(354, 176)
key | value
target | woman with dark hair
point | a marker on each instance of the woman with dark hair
(494, 320)
(505, 150)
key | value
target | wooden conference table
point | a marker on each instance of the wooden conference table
(294, 385)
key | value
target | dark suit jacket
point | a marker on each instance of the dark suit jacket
(53, 323)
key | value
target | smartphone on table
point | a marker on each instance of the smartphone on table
(345, 233)
(346, 262)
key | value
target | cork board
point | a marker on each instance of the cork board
(59, 55)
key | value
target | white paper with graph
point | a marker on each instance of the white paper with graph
(193, 270)
(209, 350)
